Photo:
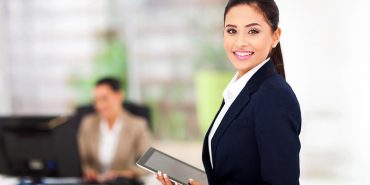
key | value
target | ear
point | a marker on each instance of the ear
(276, 37)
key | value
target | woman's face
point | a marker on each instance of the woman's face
(107, 102)
(248, 37)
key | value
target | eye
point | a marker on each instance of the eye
(253, 31)
(231, 31)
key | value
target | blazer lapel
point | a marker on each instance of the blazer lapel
(122, 139)
(240, 102)
(235, 108)
(95, 139)
(205, 152)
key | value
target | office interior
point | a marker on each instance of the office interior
(169, 56)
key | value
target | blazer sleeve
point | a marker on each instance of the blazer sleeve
(83, 144)
(143, 142)
(144, 139)
(277, 128)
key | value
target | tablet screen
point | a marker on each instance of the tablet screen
(177, 170)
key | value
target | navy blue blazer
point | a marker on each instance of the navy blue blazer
(257, 142)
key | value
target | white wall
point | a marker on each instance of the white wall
(357, 28)
(46, 42)
(5, 101)
(325, 44)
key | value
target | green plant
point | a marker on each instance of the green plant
(213, 74)
(111, 61)
(211, 56)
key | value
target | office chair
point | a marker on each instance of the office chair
(135, 109)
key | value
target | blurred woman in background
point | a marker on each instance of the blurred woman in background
(112, 139)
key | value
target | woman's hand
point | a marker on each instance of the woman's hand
(193, 182)
(128, 174)
(165, 180)
(90, 175)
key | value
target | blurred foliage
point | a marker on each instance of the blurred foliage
(111, 61)
(212, 57)
(168, 110)
(209, 87)
(212, 75)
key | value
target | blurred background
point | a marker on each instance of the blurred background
(169, 54)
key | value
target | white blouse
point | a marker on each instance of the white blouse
(108, 143)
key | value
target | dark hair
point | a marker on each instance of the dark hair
(113, 83)
(271, 14)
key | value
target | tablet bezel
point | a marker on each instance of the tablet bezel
(141, 162)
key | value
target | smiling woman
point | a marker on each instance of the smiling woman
(248, 35)
(254, 138)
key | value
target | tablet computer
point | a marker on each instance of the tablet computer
(178, 171)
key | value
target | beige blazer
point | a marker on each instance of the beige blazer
(135, 139)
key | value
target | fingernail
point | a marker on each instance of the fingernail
(165, 176)
(191, 180)
(160, 173)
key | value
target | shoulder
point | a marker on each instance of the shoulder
(276, 91)
(89, 122)
(135, 122)
(277, 103)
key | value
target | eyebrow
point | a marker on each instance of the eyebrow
(248, 25)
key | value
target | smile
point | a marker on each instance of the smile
(243, 55)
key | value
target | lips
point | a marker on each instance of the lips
(243, 55)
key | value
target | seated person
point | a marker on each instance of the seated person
(112, 139)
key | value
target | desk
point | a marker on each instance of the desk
(8, 180)
(189, 152)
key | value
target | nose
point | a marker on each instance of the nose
(241, 41)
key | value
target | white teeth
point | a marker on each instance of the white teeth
(244, 53)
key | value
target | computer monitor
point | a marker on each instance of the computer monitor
(33, 147)
(3, 164)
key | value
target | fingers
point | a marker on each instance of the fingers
(159, 177)
(163, 178)
(193, 182)
(110, 176)
(167, 180)
(128, 174)
(90, 175)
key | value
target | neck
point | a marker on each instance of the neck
(111, 122)
(241, 73)
(112, 119)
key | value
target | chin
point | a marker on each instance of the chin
(103, 115)
(242, 66)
